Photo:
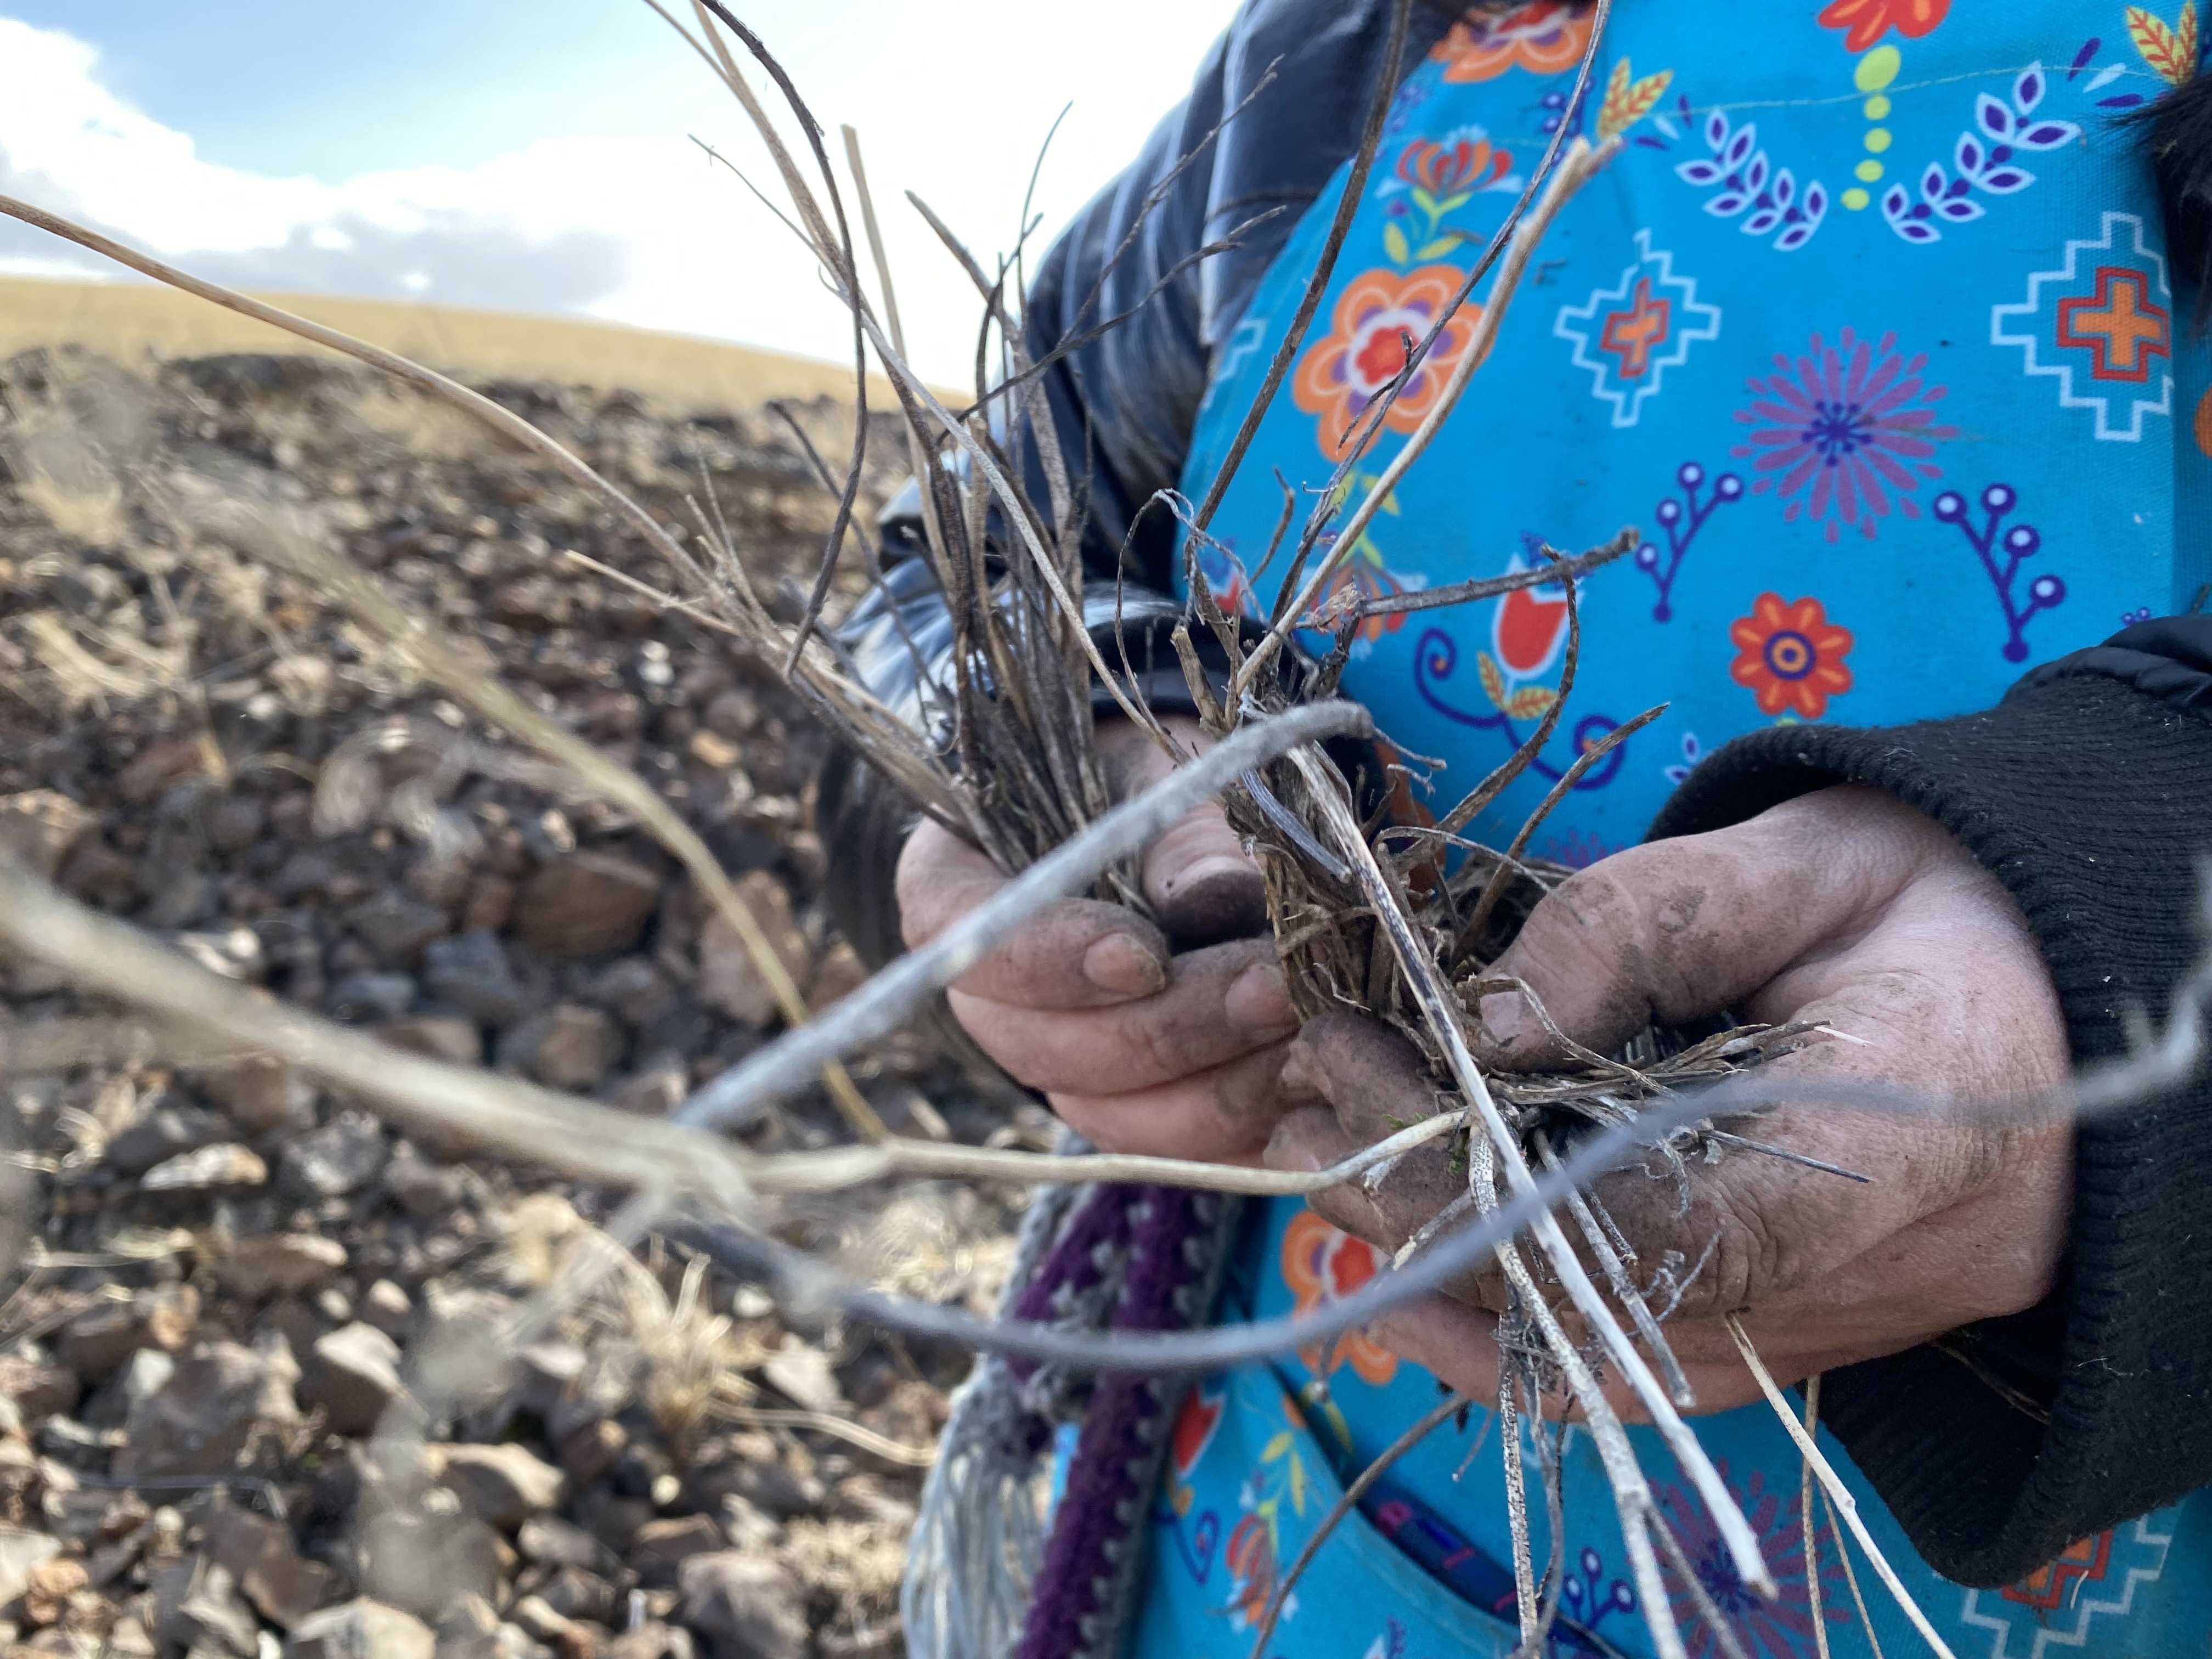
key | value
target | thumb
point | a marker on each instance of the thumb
(1196, 876)
(1676, 930)
(1201, 884)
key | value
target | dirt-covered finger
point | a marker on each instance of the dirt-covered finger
(1080, 953)
(1221, 1115)
(1220, 1004)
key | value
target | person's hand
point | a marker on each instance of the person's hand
(1844, 907)
(1165, 1040)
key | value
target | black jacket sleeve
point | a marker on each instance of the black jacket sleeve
(2088, 793)
(1296, 78)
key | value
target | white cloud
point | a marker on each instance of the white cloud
(637, 228)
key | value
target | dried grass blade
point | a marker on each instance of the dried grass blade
(1838, 1492)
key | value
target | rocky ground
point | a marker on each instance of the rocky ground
(224, 1278)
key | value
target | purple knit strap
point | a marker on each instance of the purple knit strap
(1079, 1602)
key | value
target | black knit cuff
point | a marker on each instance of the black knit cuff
(2091, 802)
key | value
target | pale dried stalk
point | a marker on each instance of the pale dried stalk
(1438, 1008)
(518, 1119)
(1449, 1405)
(633, 794)
(1838, 1492)
(878, 1008)
(1580, 164)
(261, 531)
(213, 1017)
(1806, 1525)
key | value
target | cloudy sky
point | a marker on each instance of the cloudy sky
(538, 155)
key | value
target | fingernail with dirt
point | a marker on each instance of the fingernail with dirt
(1119, 964)
(1257, 1003)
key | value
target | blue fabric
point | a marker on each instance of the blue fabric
(1868, 326)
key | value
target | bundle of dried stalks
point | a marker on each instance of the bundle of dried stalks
(1402, 922)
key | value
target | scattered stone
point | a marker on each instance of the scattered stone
(436, 1036)
(587, 904)
(840, 974)
(224, 1410)
(576, 1593)
(728, 978)
(544, 1372)
(746, 1606)
(655, 1090)
(505, 1485)
(22, 1553)
(554, 1542)
(637, 991)
(224, 1165)
(98, 1339)
(281, 1264)
(565, 1047)
(260, 1557)
(351, 1375)
(396, 926)
(490, 906)
(387, 1307)
(166, 1131)
(346, 1153)
(803, 1375)
(420, 1187)
(662, 1548)
(361, 1629)
(46, 1592)
(259, 1093)
(590, 1450)
(211, 1617)
(159, 766)
(472, 973)
(651, 1640)
(39, 826)
(372, 996)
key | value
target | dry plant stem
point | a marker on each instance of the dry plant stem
(520, 1119)
(260, 533)
(632, 792)
(1439, 1008)
(911, 386)
(1632, 1493)
(1449, 1406)
(880, 1005)
(501, 420)
(1851, 1577)
(1347, 207)
(1805, 1521)
(1490, 587)
(1625, 1292)
(918, 453)
(1579, 165)
(878, 1445)
(1838, 1493)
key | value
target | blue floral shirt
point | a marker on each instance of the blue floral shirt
(1870, 327)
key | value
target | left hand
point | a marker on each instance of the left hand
(1846, 907)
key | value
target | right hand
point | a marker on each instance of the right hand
(1140, 1047)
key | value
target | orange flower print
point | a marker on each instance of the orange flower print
(1367, 345)
(1544, 39)
(1869, 19)
(1321, 1264)
(1790, 655)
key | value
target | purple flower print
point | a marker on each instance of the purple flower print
(1843, 433)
